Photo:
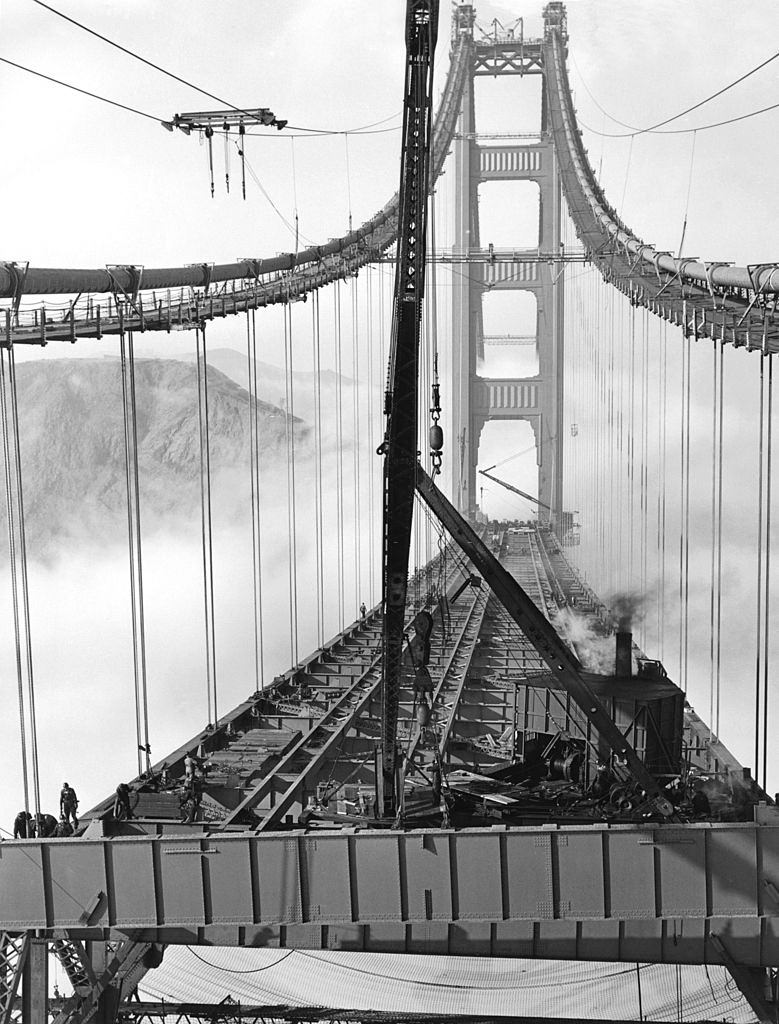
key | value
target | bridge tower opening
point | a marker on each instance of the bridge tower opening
(530, 393)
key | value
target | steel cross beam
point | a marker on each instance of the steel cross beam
(130, 962)
(138, 1011)
(13, 954)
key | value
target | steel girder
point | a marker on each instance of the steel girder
(649, 893)
(13, 954)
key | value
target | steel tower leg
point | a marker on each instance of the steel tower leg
(35, 983)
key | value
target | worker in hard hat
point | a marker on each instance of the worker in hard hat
(23, 825)
(68, 803)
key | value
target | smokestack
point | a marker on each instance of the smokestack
(623, 665)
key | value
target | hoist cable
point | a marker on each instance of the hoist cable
(348, 180)
(126, 412)
(687, 110)
(687, 201)
(27, 630)
(84, 92)
(10, 502)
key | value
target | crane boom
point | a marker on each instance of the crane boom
(400, 440)
(516, 490)
(561, 662)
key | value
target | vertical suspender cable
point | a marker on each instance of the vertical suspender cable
(318, 518)
(339, 465)
(687, 517)
(25, 584)
(760, 486)
(10, 502)
(131, 538)
(291, 504)
(138, 555)
(767, 598)
(718, 616)
(713, 573)
(254, 471)
(356, 449)
(205, 520)
(371, 435)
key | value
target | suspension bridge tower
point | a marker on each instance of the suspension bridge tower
(476, 398)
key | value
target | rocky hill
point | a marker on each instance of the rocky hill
(73, 444)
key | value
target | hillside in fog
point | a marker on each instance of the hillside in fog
(73, 453)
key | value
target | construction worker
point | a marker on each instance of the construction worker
(363, 609)
(23, 826)
(63, 829)
(68, 804)
(122, 807)
(47, 825)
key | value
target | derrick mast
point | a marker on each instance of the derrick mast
(400, 441)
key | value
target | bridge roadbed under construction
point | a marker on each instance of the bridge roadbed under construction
(514, 879)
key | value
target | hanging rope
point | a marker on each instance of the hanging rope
(210, 146)
(129, 408)
(689, 189)
(205, 521)
(348, 179)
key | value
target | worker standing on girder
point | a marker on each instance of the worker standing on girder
(64, 829)
(23, 826)
(68, 804)
(46, 824)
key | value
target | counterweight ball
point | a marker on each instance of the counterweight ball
(436, 437)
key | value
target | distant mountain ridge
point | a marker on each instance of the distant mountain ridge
(72, 441)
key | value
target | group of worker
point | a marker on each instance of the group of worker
(46, 826)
